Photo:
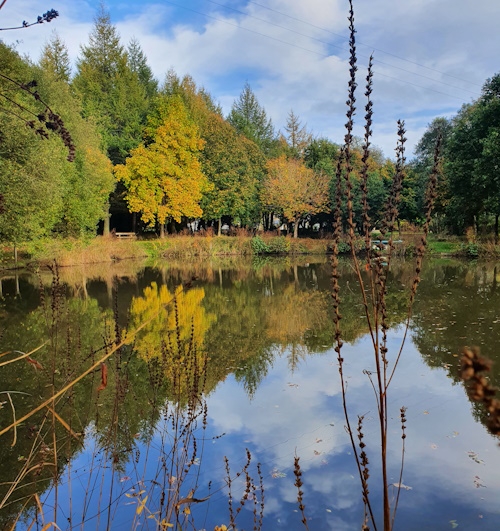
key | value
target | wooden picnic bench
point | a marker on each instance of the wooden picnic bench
(125, 235)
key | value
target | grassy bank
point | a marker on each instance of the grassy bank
(70, 252)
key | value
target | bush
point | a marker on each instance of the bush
(471, 249)
(259, 246)
(281, 244)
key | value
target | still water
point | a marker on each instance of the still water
(226, 372)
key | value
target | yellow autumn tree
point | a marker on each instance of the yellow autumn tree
(164, 180)
(294, 189)
(175, 323)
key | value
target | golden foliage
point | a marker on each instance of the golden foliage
(176, 322)
(164, 179)
(294, 188)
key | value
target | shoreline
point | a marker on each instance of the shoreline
(99, 250)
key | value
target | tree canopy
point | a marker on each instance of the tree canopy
(249, 118)
(164, 180)
(294, 189)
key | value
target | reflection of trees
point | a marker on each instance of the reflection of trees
(239, 318)
(44, 444)
(292, 315)
(458, 304)
(173, 322)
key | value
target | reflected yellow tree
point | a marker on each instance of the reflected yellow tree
(175, 322)
(294, 315)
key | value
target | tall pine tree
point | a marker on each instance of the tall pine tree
(111, 92)
(249, 118)
(55, 58)
(138, 63)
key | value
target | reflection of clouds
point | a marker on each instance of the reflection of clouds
(284, 420)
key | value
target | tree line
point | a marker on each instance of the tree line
(163, 156)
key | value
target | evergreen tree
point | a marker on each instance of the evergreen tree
(55, 58)
(138, 63)
(111, 92)
(297, 137)
(249, 118)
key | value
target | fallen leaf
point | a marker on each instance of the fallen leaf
(104, 377)
(35, 364)
(402, 486)
(277, 474)
(475, 458)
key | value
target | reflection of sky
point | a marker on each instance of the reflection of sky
(451, 463)
(294, 414)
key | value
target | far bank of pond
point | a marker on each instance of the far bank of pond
(69, 252)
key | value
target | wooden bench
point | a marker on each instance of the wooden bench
(125, 235)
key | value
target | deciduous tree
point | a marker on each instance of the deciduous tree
(295, 189)
(234, 172)
(473, 159)
(164, 180)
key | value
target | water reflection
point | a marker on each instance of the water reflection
(270, 385)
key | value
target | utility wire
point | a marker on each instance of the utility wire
(321, 54)
(475, 93)
(362, 44)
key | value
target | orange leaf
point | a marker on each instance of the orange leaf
(104, 377)
(36, 365)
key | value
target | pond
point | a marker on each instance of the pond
(179, 395)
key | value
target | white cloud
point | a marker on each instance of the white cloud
(294, 67)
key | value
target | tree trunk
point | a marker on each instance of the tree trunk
(296, 228)
(162, 230)
(107, 217)
(219, 228)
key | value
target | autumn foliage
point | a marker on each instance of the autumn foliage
(164, 180)
(294, 189)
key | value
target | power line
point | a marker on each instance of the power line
(321, 54)
(362, 44)
(474, 93)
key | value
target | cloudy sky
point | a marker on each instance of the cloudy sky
(431, 56)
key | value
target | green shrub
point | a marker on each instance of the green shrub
(279, 245)
(259, 246)
(471, 249)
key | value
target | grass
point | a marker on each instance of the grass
(444, 247)
(99, 250)
(72, 252)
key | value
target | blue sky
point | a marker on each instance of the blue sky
(431, 56)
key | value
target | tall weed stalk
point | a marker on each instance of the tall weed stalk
(372, 275)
